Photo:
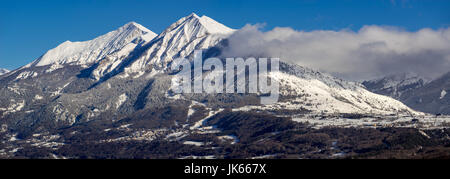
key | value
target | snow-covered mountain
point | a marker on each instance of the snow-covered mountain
(395, 85)
(116, 88)
(120, 79)
(416, 92)
(432, 97)
(118, 42)
(180, 40)
(3, 71)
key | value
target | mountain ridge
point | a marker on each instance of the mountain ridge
(87, 52)
(395, 85)
(35, 100)
(179, 40)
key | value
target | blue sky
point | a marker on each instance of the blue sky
(28, 28)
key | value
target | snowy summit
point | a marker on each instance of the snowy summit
(180, 40)
(86, 52)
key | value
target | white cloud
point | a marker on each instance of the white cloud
(373, 51)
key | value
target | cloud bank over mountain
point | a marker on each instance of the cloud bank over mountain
(370, 52)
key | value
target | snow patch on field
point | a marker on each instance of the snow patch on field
(193, 143)
(198, 157)
(443, 93)
(177, 135)
(16, 89)
(49, 141)
(323, 98)
(424, 134)
(3, 128)
(59, 90)
(191, 111)
(265, 156)
(121, 100)
(112, 45)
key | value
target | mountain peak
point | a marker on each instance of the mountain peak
(213, 26)
(86, 52)
(395, 85)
